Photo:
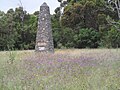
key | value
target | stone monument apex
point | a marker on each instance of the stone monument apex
(44, 39)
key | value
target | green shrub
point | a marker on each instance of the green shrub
(87, 38)
(111, 39)
(63, 37)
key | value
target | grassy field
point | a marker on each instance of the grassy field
(72, 69)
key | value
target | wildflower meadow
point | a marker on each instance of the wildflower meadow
(71, 69)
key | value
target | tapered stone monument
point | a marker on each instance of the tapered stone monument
(44, 39)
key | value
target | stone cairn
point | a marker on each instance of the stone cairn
(44, 39)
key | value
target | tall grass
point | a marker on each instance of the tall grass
(85, 69)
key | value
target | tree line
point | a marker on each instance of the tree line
(75, 24)
(17, 29)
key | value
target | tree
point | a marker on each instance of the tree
(8, 33)
(115, 6)
(16, 33)
(87, 14)
(59, 10)
(26, 29)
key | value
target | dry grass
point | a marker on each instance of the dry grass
(70, 69)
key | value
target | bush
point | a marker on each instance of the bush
(87, 38)
(63, 37)
(111, 39)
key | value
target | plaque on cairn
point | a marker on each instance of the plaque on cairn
(44, 39)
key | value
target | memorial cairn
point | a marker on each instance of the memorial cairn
(44, 39)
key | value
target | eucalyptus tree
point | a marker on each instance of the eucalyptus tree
(115, 5)
(59, 10)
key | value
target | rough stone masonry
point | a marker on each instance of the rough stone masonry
(44, 39)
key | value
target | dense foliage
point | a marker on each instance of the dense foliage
(17, 29)
(81, 24)
(91, 23)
